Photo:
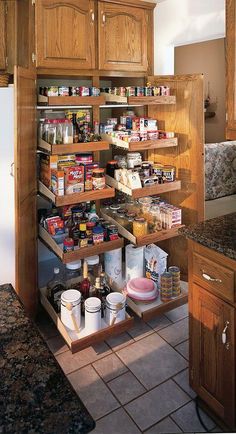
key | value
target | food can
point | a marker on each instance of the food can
(152, 135)
(147, 91)
(84, 91)
(157, 169)
(130, 91)
(94, 91)
(128, 122)
(112, 232)
(168, 173)
(63, 91)
(53, 91)
(156, 91)
(122, 91)
(139, 91)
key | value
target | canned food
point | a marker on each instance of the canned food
(84, 91)
(168, 173)
(122, 91)
(63, 91)
(53, 91)
(112, 232)
(152, 135)
(157, 169)
(139, 91)
(148, 91)
(94, 91)
(130, 91)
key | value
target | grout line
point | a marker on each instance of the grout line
(175, 421)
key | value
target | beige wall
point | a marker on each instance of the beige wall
(207, 58)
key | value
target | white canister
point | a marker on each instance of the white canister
(113, 265)
(71, 309)
(92, 314)
(115, 308)
(134, 262)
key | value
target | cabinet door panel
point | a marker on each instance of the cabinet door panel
(65, 36)
(25, 188)
(2, 36)
(230, 69)
(122, 37)
(212, 362)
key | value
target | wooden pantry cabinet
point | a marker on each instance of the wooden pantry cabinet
(3, 56)
(94, 35)
(212, 313)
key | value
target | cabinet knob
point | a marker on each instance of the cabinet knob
(92, 16)
(209, 278)
(103, 18)
(12, 169)
(224, 335)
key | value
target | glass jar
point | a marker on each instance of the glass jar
(59, 131)
(114, 208)
(155, 224)
(121, 217)
(145, 203)
(52, 132)
(67, 132)
(98, 179)
(73, 274)
(93, 267)
(133, 159)
(111, 167)
(41, 128)
(140, 227)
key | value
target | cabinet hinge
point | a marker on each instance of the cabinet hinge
(33, 57)
(6, 8)
(226, 117)
(33, 2)
(6, 61)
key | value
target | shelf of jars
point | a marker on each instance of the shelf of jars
(140, 145)
(77, 341)
(144, 191)
(79, 253)
(150, 310)
(70, 100)
(72, 148)
(142, 240)
(74, 198)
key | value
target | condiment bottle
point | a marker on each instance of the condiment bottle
(85, 284)
(55, 288)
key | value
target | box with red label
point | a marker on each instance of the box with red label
(74, 179)
(57, 182)
(88, 172)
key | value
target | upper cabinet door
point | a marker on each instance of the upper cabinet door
(230, 69)
(2, 36)
(65, 35)
(122, 36)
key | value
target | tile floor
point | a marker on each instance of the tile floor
(136, 382)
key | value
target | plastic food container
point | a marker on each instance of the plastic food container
(71, 309)
(115, 308)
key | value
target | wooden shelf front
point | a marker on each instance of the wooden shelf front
(72, 199)
(147, 311)
(109, 97)
(141, 145)
(144, 191)
(84, 252)
(153, 237)
(73, 148)
(70, 100)
(151, 100)
(76, 342)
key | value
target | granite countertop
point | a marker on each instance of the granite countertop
(218, 234)
(35, 395)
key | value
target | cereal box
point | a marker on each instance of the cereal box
(74, 179)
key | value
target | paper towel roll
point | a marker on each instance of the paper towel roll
(134, 262)
(113, 265)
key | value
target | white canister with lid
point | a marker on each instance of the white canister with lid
(115, 308)
(93, 321)
(71, 309)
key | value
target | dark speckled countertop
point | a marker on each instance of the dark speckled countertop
(35, 395)
(218, 234)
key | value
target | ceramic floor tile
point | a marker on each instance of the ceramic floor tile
(109, 367)
(217, 429)
(71, 362)
(159, 322)
(166, 426)
(182, 379)
(186, 417)
(120, 341)
(176, 333)
(152, 360)
(57, 345)
(178, 313)
(183, 349)
(117, 422)
(95, 395)
(150, 408)
(140, 329)
(126, 387)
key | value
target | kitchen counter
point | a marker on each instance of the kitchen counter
(35, 395)
(218, 234)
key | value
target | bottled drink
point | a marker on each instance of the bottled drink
(55, 287)
(85, 284)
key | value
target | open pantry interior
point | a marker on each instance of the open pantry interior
(182, 113)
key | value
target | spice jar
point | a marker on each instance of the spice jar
(98, 235)
(92, 314)
(73, 274)
(140, 227)
(98, 179)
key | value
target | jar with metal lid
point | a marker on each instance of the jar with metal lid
(114, 208)
(140, 227)
(98, 179)
(145, 203)
(168, 173)
(83, 240)
(155, 219)
(133, 159)
(71, 309)
(94, 267)
(115, 308)
(112, 232)
(111, 167)
(73, 274)
(93, 321)
(145, 169)
(121, 217)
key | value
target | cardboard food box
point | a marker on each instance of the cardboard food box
(57, 182)
(155, 262)
(48, 163)
(74, 179)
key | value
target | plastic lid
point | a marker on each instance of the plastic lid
(74, 265)
(56, 270)
(71, 296)
(92, 260)
(98, 230)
